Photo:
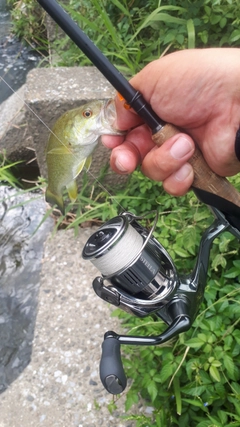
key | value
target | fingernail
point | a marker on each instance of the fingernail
(119, 166)
(180, 148)
(237, 144)
(183, 172)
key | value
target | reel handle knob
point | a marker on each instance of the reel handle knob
(111, 370)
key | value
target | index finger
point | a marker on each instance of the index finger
(126, 118)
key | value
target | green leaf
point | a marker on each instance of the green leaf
(216, 363)
(220, 389)
(196, 402)
(214, 19)
(219, 260)
(181, 252)
(214, 373)
(191, 34)
(236, 263)
(203, 424)
(166, 371)
(165, 17)
(223, 22)
(152, 390)
(236, 388)
(194, 343)
(121, 7)
(194, 391)
(216, 422)
(176, 388)
(223, 417)
(229, 365)
(236, 334)
(132, 398)
(235, 36)
(232, 273)
(207, 10)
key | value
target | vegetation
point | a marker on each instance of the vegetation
(7, 171)
(28, 21)
(194, 380)
(133, 33)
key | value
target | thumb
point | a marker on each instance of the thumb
(218, 147)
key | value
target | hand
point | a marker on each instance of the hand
(196, 90)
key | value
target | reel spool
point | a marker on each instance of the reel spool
(130, 258)
(139, 276)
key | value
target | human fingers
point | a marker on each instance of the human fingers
(112, 141)
(126, 118)
(219, 144)
(168, 163)
(127, 156)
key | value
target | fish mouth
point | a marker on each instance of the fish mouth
(109, 118)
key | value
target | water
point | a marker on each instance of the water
(16, 60)
(21, 252)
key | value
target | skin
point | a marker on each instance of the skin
(196, 90)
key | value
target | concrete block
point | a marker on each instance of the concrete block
(51, 92)
(15, 138)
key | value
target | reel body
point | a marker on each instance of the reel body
(139, 276)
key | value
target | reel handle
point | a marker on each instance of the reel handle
(205, 179)
(111, 369)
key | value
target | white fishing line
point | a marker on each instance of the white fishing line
(61, 142)
(122, 252)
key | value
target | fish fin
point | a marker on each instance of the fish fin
(55, 199)
(88, 162)
(80, 167)
(85, 162)
(72, 190)
(72, 187)
(60, 150)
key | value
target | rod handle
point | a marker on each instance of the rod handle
(204, 178)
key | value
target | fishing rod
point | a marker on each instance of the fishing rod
(137, 273)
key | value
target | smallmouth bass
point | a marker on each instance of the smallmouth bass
(71, 143)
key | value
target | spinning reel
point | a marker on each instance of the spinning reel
(142, 279)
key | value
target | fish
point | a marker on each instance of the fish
(72, 140)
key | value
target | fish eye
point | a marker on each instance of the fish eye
(87, 113)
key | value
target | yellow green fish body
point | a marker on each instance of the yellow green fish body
(71, 143)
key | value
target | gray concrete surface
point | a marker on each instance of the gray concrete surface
(61, 386)
(14, 135)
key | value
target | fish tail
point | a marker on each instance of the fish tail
(55, 199)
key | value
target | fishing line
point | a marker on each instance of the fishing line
(121, 253)
(61, 142)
